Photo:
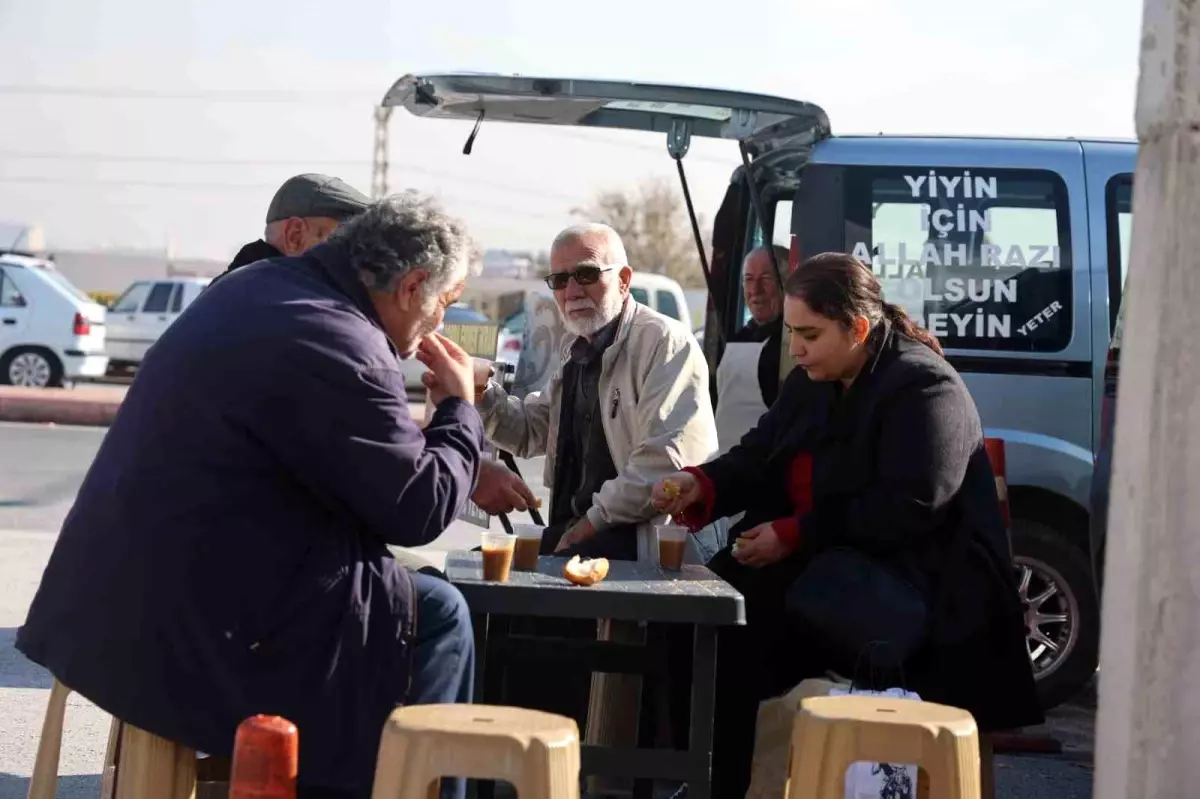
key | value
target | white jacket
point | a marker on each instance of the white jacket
(654, 405)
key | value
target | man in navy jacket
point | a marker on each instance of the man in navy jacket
(227, 553)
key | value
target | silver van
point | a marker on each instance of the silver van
(1012, 251)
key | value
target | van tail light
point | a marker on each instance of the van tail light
(794, 254)
(83, 325)
(513, 344)
(997, 455)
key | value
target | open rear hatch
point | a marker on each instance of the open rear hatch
(759, 123)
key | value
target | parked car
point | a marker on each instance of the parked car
(457, 314)
(50, 331)
(660, 293)
(1004, 248)
(508, 345)
(143, 312)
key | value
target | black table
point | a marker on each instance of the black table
(632, 592)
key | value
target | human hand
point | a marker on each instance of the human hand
(451, 373)
(500, 490)
(676, 493)
(581, 531)
(760, 546)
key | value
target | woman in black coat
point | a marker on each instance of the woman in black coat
(874, 445)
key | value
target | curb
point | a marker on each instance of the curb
(41, 406)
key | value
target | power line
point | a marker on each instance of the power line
(286, 96)
(456, 199)
(398, 168)
(262, 96)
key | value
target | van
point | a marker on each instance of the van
(662, 294)
(50, 331)
(143, 312)
(1012, 251)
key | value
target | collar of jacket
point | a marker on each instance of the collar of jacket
(843, 403)
(253, 252)
(628, 311)
(334, 260)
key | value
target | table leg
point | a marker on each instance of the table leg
(490, 632)
(704, 692)
(479, 623)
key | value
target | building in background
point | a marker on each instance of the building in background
(113, 270)
(507, 264)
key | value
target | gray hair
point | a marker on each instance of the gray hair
(405, 232)
(781, 255)
(614, 248)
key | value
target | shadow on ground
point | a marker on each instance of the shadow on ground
(16, 670)
(76, 786)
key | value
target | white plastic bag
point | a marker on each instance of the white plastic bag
(865, 780)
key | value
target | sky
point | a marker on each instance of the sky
(150, 124)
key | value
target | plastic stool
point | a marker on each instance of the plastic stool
(537, 753)
(831, 732)
(137, 765)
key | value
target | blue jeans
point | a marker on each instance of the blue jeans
(443, 665)
(444, 662)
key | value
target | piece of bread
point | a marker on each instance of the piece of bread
(586, 572)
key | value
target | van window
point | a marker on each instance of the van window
(1118, 204)
(177, 298)
(667, 305)
(640, 295)
(159, 299)
(10, 295)
(131, 300)
(982, 258)
(781, 236)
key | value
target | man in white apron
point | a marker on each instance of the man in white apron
(748, 375)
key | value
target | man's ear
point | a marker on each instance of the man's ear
(410, 289)
(625, 276)
(293, 234)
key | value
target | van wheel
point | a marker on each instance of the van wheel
(32, 367)
(1062, 614)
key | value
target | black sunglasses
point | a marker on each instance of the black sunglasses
(584, 276)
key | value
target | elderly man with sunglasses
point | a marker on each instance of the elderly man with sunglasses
(628, 405)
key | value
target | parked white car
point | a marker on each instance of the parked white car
(661, 293)
(143, 312)
(50, 331)
(456, 314)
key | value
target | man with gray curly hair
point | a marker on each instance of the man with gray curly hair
(228, 551)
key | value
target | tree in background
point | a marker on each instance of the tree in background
(652, 220)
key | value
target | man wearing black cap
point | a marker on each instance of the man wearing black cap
(303, 213)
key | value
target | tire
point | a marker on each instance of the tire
(35, 367)
(1044, 558)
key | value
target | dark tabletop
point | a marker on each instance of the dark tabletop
(632, 591)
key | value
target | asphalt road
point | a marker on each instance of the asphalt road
(41, 468)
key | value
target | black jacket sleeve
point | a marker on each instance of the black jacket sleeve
(738, 476)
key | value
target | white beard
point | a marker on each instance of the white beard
(601, 316)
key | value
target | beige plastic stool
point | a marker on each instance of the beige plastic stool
(137, 764)
(831, 732)
(537, 753)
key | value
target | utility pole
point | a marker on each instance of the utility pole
(1148, 730)
(379, 165)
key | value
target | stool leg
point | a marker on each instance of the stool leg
(550, 772)
(819, 761)
(954, 772)
(108, 776)
(44, 782)
(154, 768)
(403, 768)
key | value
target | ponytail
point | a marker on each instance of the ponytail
(902, 323)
